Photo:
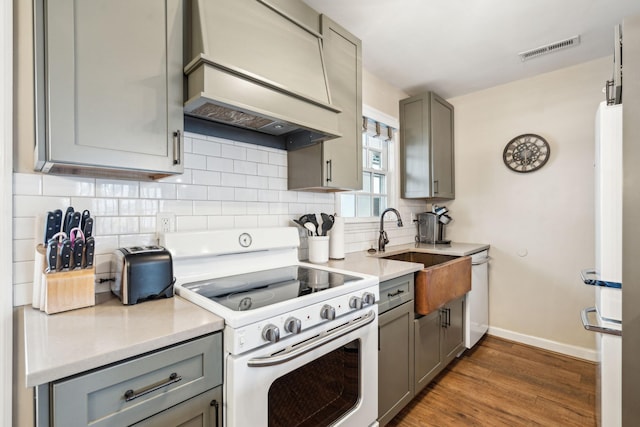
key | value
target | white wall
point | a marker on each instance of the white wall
(540, 225)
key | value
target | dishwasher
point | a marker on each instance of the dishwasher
(476, 311)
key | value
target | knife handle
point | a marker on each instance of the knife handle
(88, 228)
(78, 249)
(52, 256)
(66, 220)
(65, 254)
(85, 216)
(49, 226)
(90, 245)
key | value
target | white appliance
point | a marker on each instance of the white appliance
(607, 275)
(300, 340)
(476, 313)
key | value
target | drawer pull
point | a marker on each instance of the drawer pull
(130, 395)
(396, 293)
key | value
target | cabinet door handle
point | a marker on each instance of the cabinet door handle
(216, 407)
(396, 293)
(436, 186)
(177, 143)
(130, 395)
(329, 171)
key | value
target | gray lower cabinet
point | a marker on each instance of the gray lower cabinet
(175, 386)
(395, 347)
(439, 338)
(427, 147)
(109, 86)
(335, 164)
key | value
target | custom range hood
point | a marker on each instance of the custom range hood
(257, 74)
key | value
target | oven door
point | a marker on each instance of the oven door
(328, 377)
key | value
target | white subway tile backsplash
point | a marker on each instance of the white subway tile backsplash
(297, 209)
(233, 152)
(267, 170)
(234, 208)
(278, 208)
(246, 221)
(23, 271)
(183, 178)
(136, 240)
(244, 167)
(157, 190)
(147, 224)
(188, 143)
(22, 293)
(233, 180)
(282, 171)
(24, 250)
(221, 193)
(53, 185)
(277, 184)
(191, 192)
(246, 195)
(258, 156)
(278, 158)
(178, 207)
(195, 161)
(288, 196)
(27, 184)
(105, 264)
(220, 222)
(219, 164)
(257, 208)
(207, 148)
(269, 221)
(117, 188)
(106, 244)
(116, 225)
(200, 177)
(25, 228)
(38, 205)
(256, 181)
(207, 207)
(190, 223)
(138, 207)
(268, 195)
(97, 207)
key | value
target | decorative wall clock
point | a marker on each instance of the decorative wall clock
(526, 153)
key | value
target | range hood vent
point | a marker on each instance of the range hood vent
(254, 67)
(551, 47)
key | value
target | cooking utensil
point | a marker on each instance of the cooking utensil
(90, 245)
(52, 255)
(312, 218)
(66, 219)
(78, 249)
(327, 223)
(85, 216)
(65, 254)
(87, 228)
(312, 229)
(49, 227)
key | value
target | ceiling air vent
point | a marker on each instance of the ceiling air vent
(552, 47)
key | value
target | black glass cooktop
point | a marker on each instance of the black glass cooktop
(249, 291)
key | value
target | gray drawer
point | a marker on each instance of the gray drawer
(99, 398)
(395, 292)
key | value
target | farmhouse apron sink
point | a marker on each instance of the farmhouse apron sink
(443, 279)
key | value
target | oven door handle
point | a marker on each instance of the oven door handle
(322, 339)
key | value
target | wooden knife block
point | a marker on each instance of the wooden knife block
(64, 290)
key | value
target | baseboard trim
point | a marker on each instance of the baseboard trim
(558, 347)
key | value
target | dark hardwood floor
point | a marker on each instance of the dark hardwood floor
(503, 383)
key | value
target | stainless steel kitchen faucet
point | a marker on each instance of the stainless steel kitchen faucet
(383, 239)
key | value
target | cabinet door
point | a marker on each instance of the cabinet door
(453, 330)
(395, 361)
(343, 58)
(204, 410)
(442, 163)
(427, 349)
(415, 153)
(114, 84)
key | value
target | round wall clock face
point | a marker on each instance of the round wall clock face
(526, 153)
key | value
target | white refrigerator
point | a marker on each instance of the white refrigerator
(606, 277)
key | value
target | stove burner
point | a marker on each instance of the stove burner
(245, 304)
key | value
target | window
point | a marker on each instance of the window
(372, 200)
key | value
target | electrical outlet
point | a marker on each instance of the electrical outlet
(165, 222)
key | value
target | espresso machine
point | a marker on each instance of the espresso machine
(431, 226)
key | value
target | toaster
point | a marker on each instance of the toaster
(143, 273)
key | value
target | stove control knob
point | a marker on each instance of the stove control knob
(293, 325)
(327, 312)
(271, 333)
(368, 298)
(355, 302)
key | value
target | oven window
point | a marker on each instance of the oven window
(318, 393)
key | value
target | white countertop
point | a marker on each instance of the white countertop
(364, 262)
(68, 343)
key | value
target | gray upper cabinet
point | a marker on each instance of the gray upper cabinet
(335, 164)
(427, 147)
(109, 87)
